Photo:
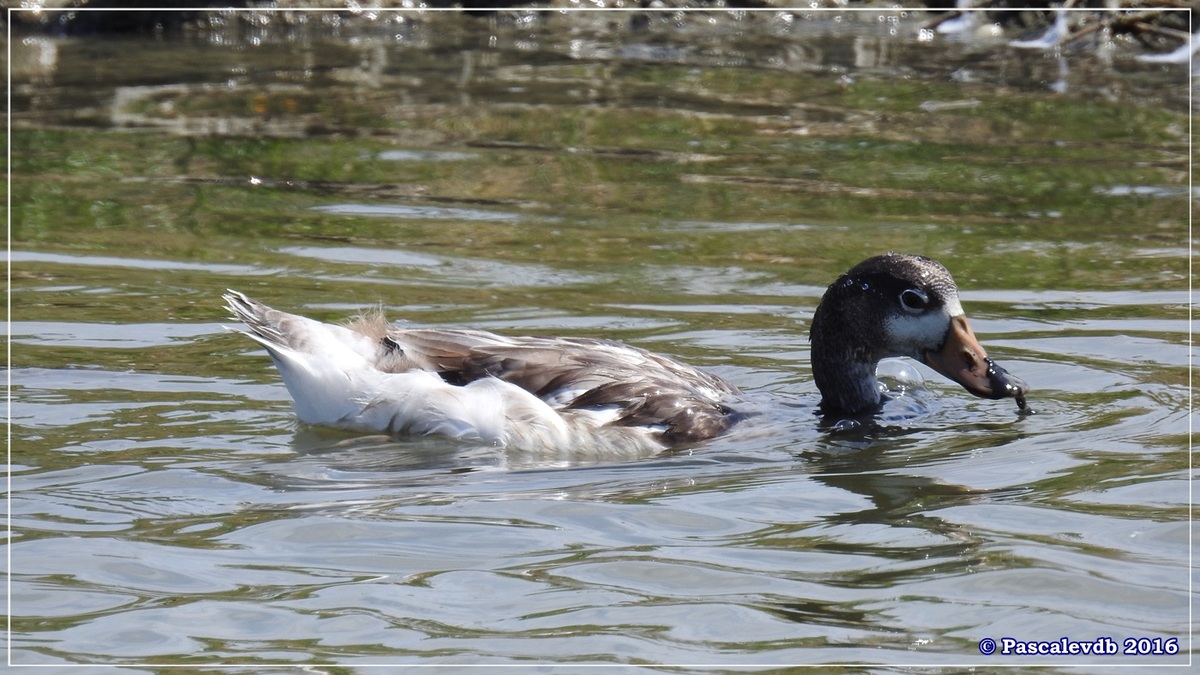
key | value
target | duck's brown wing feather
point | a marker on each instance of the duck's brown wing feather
(581, 373)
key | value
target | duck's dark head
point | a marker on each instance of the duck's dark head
(897, 305)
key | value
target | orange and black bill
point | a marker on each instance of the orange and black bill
(962, 359)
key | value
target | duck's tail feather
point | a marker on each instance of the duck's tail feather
(281, 332)
(264, 327)
(327, 368)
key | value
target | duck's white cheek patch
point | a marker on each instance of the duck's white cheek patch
(910, 335)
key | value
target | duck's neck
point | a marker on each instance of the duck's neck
(847, 384)
(843, 358)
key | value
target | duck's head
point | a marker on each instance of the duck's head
(897, 305)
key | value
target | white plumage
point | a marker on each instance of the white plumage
(534, 394)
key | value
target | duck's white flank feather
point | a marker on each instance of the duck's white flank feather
(537, 394)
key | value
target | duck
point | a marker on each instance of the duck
(553, 394)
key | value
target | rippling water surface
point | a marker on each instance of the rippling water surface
(686, 185)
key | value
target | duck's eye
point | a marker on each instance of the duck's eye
(914, 300)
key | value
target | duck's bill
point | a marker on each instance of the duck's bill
(965, 361)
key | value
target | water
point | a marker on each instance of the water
(686, 186)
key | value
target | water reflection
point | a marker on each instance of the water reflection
(458, 270)
(42, 259)
(380, 53)
(424, 156)
(408, 211)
